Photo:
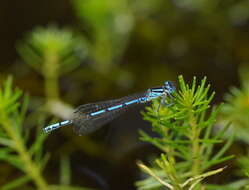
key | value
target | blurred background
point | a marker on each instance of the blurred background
(68, 53)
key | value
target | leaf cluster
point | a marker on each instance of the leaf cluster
(185, 137)
(51, 44)
(15, 148)
(236, 111)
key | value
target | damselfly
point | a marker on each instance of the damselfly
(89, 117)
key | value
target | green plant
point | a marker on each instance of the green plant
(107, 25)
(14, 140)
(16, 148)
(186, 140)
(236, 111)
(52, 52)
(110, 23)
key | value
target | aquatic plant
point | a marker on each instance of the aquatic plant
(109, 40)
(52, 52)
(22, 146)
(14, 139)
(186, 140)
(236, 111)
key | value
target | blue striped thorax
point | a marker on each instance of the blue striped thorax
(167, 89)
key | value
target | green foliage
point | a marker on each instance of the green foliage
(110, 23)
(14, 148)
(236, 110)
(185, 138)
(53, 50)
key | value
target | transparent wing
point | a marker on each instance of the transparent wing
(84, 123)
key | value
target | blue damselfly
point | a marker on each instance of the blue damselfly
(89, 117)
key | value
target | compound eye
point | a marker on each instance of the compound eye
(170, 86)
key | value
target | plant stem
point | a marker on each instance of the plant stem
(31, 168)
(50, 73)
(195, 146)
